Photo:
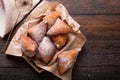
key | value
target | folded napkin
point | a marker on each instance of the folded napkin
(13, 11)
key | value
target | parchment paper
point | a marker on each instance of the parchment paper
(76, 38)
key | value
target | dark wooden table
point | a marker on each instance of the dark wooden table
(99, 58)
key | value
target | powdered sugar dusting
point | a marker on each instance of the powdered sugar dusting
(46, 47)
(38, 31)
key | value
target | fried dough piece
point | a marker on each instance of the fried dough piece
(65, 60)
(51, 18)
(60, 40)
(37, 32)
(29, 46)
(46, 50)
(59, 27)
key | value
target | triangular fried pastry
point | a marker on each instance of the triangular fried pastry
(59, 27)
(65, 60)
(28, 46)
(46, 50)
(60, 40)
(38, 31)
(51, 18)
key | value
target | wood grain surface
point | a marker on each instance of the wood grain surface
(100, 56)
(92, 6)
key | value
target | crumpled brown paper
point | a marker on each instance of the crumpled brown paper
(76, 38)
(9, 14)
